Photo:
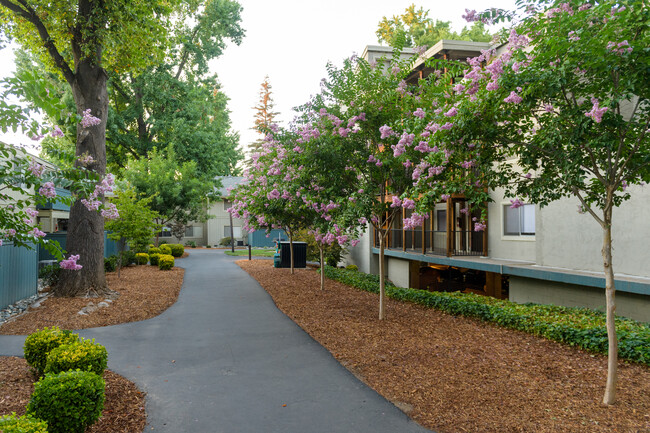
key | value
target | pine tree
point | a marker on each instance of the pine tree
(264, 115)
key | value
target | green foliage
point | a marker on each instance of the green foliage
(136, 223)
(83, 355)
(50, 274)
(39, 344)
(578, 327)
(415, 26)
(110, 263)
(142, 258)
(165, 249)
(179, 190)
(332, 253)
(177, 250)
(352, 267)
(154, 250)
(225, 241)
(69, 401)
(154, 258)
(24, 424)
(165, 262)
(191, 244)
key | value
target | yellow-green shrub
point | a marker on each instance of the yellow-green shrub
(165, 262)
(83, 355)
(154, 250)
(142, 258)
(165, 249)
(68, 401)
(24, 424)
(177, 249)
(40, 343)
(153, 258)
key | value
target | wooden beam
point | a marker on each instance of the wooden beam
(450, 227)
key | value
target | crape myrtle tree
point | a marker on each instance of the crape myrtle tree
(568, 97)
(368, 114)
(81, 40)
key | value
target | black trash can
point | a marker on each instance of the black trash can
(299, 255)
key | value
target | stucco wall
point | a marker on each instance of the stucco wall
(220, 219)
(569, 295)
(362, 255)
(398, 272)
(574, 241)
(508, 247)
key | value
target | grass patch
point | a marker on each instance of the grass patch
(579, 327)
(256, 252)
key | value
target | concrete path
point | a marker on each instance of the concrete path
(224, 359)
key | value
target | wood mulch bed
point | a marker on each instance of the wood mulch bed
(144, 292)
(123, 409)
(453, 374)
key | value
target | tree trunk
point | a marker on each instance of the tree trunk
(610, 290)
(291, 253)
(322, 266)
(382, 277)
(86, 228)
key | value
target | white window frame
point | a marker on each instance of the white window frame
(516, 237)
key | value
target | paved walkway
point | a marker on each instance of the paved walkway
(224, 359)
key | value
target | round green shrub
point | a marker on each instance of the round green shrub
(142, 258)
(177, 249)
(24, 424)
(110, 264)
(83, 355)
(39, 344)
(352, 267)
(153, 259)
(68, 401)
(165, 262)
(154, 250)
(165, 249)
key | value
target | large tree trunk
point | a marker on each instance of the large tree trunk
(382, 277)
(86, 228)
(610, 290)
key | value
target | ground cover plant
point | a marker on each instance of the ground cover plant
(256, 252)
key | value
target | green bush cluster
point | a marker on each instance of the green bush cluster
(165, 249)
(69, 401)
(177, 249)
(225, 241)
(39, 344)
(110, 264)
(352, 267)
(154, 250)
(190, 244)
(83, 355)
(579, 327)
(153, 259)
(24, 424)
(165, 262)
(142, 258)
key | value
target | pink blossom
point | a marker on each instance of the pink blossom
(92, 204)
(37, 233)
(452, 112)
(56, 131)
(513, 98)
(10, 233)
(363, 220)
(71, 263)
(110, 212)
(36, 137)
(36, 169)
(492, 85)
(445, 197)
(479, 227)
(416, 220)
(354, 242)
(573, 36)
(89, 120)
(596, 112)
(470, 15)
(396, 202)
(395, 70)
(419, 113)
(47, 190)
(516, 203)
(386, 131)
(407, 203)
(420, 50)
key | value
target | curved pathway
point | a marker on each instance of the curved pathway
(224, 359)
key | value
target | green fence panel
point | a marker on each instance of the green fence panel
(18, 273)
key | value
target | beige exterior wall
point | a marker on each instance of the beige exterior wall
(220, 219)
(630, 305)
(398, 272)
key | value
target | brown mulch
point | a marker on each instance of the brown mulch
(123, 409)
(144, 292)
(453, 374)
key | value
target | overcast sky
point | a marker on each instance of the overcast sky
(291, 41)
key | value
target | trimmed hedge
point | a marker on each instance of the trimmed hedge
(22, 424)
(83, 355)
(68, 401)
(177, 249)
(579, 327)
(39, 344)
(142, 258)
(165, 262)
(153, 258)
(165, 249)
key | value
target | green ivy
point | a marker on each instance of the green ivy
(578, 327)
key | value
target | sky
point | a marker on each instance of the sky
(291, 41)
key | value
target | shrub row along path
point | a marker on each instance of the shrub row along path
(224, 359)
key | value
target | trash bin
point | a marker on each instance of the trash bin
(299, 255)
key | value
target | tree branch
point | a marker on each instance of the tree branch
(587, 208)
(30, 15)
(185, 54)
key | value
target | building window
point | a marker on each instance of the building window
(441, 220)
(189, 232)
(193, 232)
(226, 204)
(237, 230)
(519, 221)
